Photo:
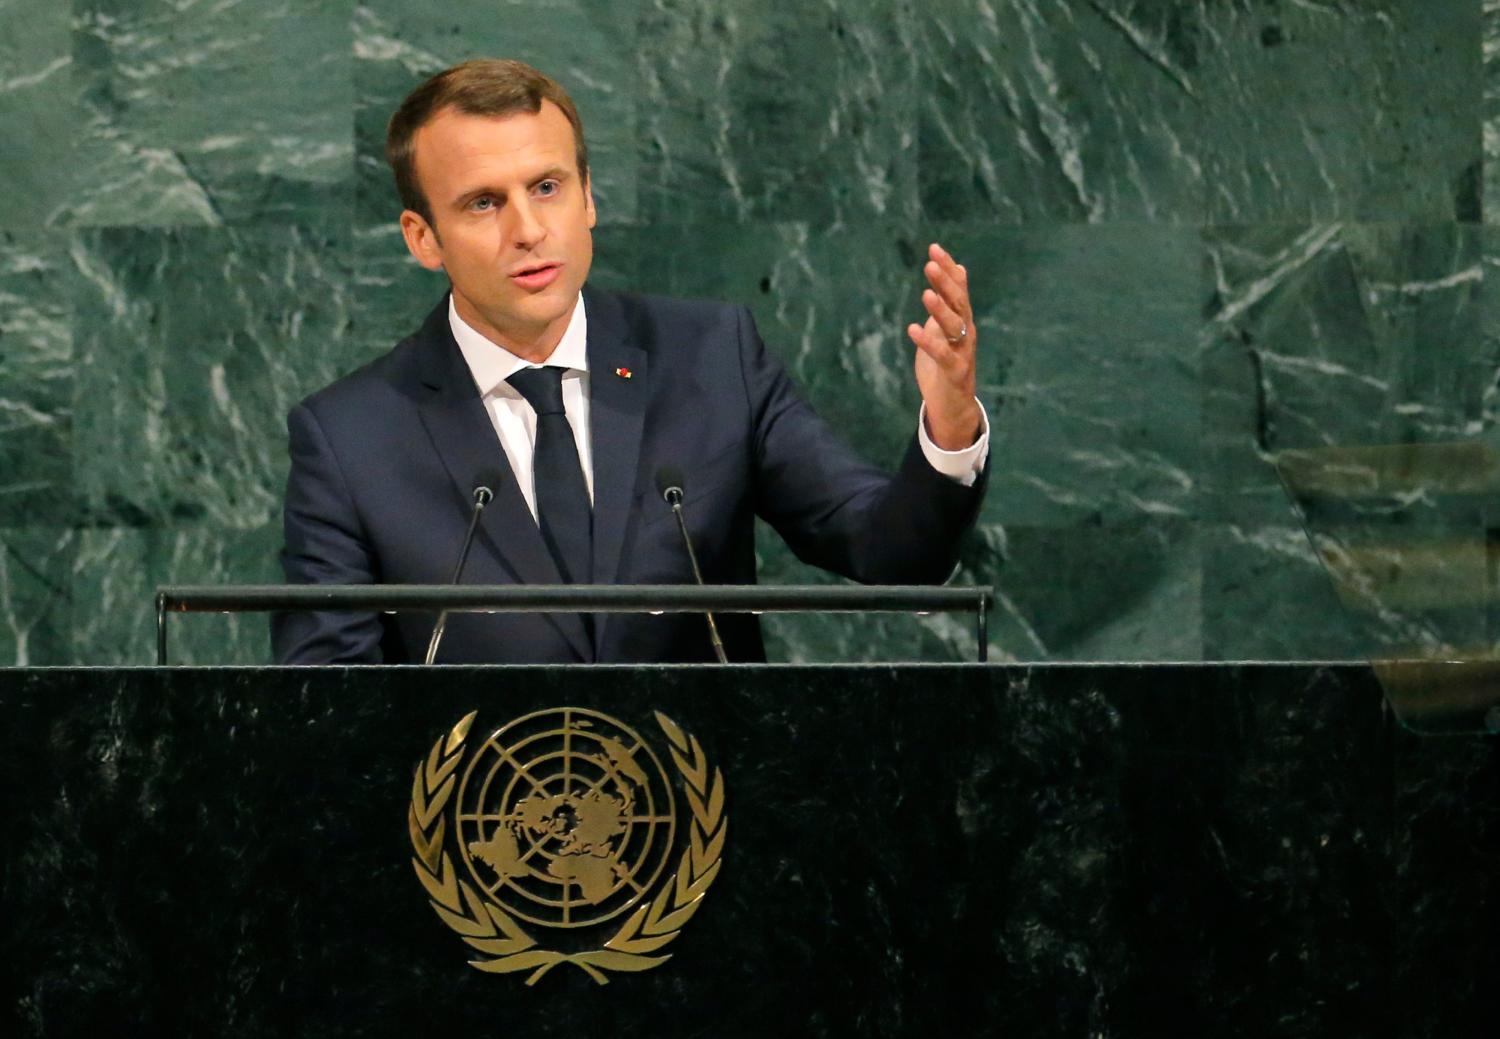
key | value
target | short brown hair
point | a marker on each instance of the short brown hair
(488, 86)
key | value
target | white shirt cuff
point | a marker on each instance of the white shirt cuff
(965, 465)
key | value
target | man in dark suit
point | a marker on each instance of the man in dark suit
(570, 402)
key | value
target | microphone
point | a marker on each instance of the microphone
(482, 496)
(669, 483)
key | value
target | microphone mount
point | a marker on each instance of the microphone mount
(482, 496)
(669, 482)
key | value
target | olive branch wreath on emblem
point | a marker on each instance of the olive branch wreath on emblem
(487, 927)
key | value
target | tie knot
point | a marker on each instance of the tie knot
(542, 388)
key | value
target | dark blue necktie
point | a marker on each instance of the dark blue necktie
(562, 498)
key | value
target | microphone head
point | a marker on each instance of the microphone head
(669, 483)
(484, 486)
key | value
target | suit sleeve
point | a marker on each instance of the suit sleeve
(324, 544)
(834, 509)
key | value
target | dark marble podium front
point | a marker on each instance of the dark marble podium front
(913, 851)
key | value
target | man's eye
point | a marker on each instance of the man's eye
(482, 203)
(548, 187)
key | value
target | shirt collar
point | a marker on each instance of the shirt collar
(491, 364)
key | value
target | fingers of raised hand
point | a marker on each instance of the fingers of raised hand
(952, 324)
(932, 340)
(948, 336)
(956, 273)
(950, 280)
(946, 284)
(930, 344)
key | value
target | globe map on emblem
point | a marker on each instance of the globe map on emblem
(565, 817)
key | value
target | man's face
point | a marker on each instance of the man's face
(511, 221)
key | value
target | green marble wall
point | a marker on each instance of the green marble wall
(1201, 231)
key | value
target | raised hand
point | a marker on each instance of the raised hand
(946, 347)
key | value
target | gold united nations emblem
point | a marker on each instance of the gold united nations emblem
(566, 829)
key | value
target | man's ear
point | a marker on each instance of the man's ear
(421, 240)
(588, 201)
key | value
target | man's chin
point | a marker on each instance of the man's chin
(547, 307)
(533, 316)
(511, 306)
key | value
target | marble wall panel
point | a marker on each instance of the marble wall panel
(1090, 369)
(1266, 596)
(587, 46)
(1491, 107)
(1319, 111)
(37, 111)
(1049, 110)
(1336, 335)
(1124, 592)
(1486, 378)
(389, 293)
(1350, 336)
(36, 380)
(192, 344)
(113, 581)
(35, 595)
(781, 112)
(1367, 333)
(213, 113)
(1184, 111)
(1127, 591)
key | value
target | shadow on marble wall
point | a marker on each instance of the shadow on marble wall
(1201, 234)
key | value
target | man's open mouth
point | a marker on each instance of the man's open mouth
(537, 276)
(534, 269)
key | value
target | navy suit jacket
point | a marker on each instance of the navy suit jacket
(385, 460)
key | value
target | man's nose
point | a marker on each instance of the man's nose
(526, 229)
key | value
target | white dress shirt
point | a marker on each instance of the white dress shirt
(513, 418)
(515, 421)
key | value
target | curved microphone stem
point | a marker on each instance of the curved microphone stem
(674, 499)
(482, 497)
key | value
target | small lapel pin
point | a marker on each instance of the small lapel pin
(624, 373)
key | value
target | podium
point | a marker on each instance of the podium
(908, 850)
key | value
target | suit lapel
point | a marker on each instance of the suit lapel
(465, 440)
(618, 391)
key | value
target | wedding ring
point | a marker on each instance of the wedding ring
(963, 333)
